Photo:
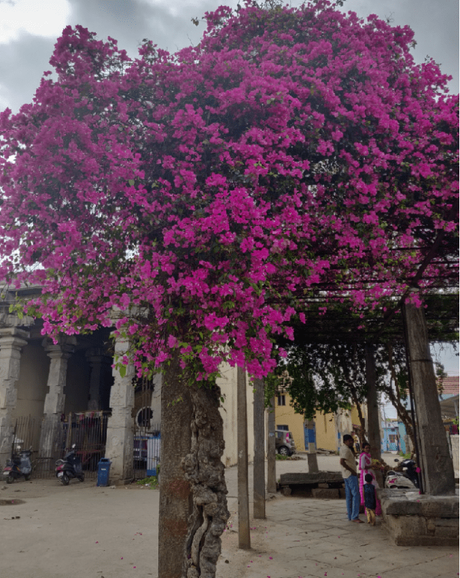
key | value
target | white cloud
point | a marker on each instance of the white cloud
(38, 17)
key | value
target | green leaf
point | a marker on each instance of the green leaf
(122, 370)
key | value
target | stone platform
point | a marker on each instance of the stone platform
(322, 485)
(420, 520)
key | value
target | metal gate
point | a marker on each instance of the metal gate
(147, 438)
(87, 430)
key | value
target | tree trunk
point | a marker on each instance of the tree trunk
(175, 497)
(373, 426)
(271, 450)
(434, 449)
(259, 450)
(362, 421)
(373, 414)
(244, 537)
(205, 472)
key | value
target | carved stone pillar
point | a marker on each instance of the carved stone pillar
(55, 398)
(120, 436)
(100, 364)
(12, 340)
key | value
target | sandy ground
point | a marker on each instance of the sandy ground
(81, 530)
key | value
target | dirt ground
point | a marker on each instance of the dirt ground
(81, 530)
(48, 530)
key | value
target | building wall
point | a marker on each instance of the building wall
(326, 431)
(31, 385)
(285, 415)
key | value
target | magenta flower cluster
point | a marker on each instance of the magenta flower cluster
(206, 194)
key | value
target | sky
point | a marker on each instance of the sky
(30, 28)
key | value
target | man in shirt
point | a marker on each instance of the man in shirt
(350, 477)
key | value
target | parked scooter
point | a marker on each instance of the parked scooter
(407, 478)
(69, 467)
(19, 465)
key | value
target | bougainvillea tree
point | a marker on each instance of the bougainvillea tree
(204, 193)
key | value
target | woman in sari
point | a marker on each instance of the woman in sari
(365, 462)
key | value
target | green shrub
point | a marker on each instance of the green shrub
(151, 481)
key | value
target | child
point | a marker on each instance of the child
(369, 499)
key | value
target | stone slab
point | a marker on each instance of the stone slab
(320, 477)
(401, 503)
(420, 520)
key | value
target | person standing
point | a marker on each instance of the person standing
(365, 463)
(350, 477)
(369, 499)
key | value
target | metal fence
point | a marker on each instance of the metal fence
(146, 455)
(88, 431)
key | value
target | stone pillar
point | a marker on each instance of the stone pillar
(271, 449)
(12, 340)
(99, 362)
(55, 398)
(433, 447)
(311, 455)
(373, 412)
(259, 450)
(244, 536)
(120, 436)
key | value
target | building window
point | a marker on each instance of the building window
(281, 400)
(144, 416)
(282, 427)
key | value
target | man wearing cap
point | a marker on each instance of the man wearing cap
(350, 477)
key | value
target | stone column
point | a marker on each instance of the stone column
(55, 398)
(120, 436)
(373, 413)
(244, 536)
(271, 449)
(259, 450)
(12, 340)
(311, 455)
(433, 447)
(99, 362)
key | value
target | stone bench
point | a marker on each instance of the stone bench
(322, 485)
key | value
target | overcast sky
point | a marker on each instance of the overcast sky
(29, 29)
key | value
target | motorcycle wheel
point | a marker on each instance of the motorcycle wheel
(65, 480)
(9, 479)
(82, 478)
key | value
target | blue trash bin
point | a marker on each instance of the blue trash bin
(103, 470)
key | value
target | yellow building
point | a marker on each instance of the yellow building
(286, 418)
(329, 428)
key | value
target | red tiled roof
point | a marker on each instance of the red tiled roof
(450, 385)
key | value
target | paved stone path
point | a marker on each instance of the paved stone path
(308, 538)
(82, 531)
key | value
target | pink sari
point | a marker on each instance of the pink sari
(366, 460)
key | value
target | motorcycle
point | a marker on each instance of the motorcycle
(19, 465)
(69, 467)
(406, 477)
